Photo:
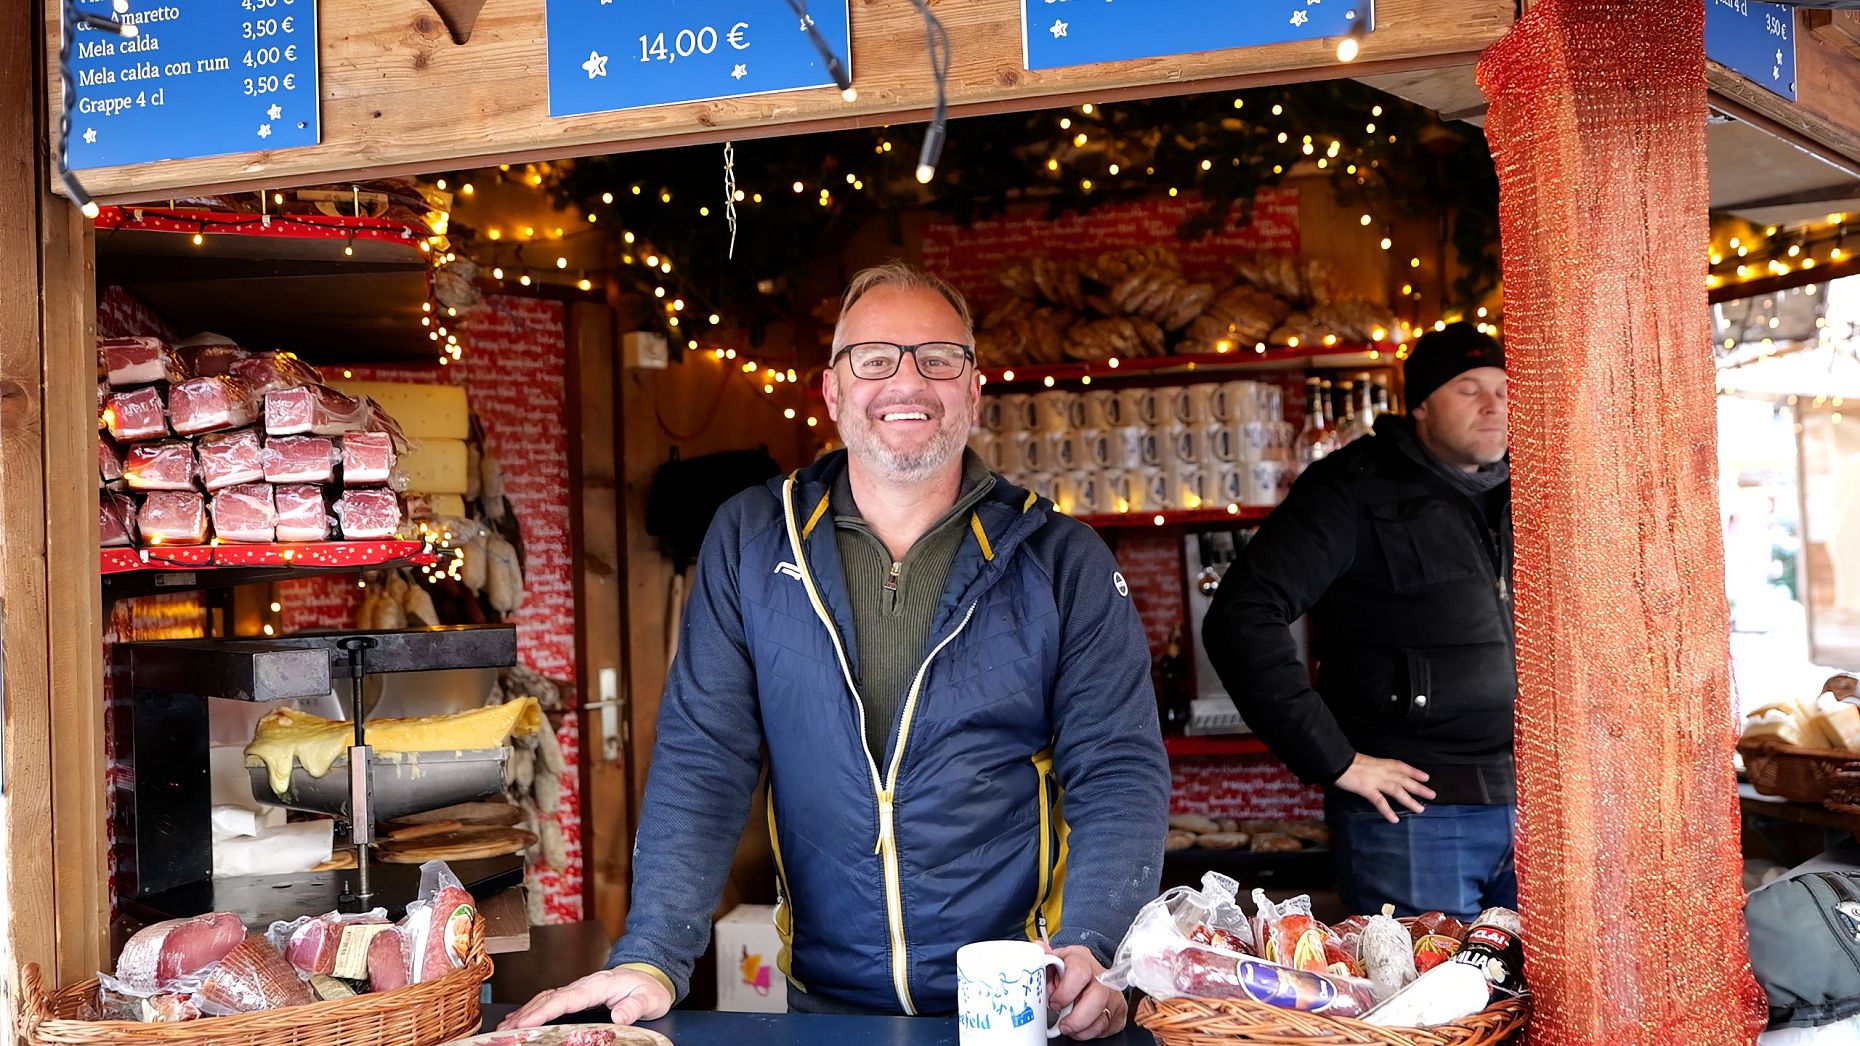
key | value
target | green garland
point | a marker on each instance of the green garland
(1429, 169)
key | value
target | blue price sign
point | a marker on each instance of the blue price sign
(622, 54)
(199, 78)
(1059, 33)
(1757, 40)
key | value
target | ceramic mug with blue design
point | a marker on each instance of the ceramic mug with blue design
(1001, 994)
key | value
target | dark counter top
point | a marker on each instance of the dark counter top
(703, 1028)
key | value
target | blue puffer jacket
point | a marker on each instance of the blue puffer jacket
(1035, 692)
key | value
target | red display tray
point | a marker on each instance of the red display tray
(309, 555)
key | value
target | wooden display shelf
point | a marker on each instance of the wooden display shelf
(1214, 744)
(1174, 369)
(1201, 517)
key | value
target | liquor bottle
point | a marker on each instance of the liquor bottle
(1174, 691)
(1312, 439)
(1347, 421)
(1380, 396)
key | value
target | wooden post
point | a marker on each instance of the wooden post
(1627, 809)
(594, 452)
(53, 767)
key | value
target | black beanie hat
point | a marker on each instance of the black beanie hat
(1442, 355)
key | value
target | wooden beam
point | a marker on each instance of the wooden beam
(398, 96)
(53, 607)
(594, 453)
(1776, 284)
(25, 685)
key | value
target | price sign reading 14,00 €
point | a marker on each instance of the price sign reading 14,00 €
(199, 78)
(616, 54)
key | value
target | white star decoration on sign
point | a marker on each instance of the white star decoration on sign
(90, 136)
(596, 65)
(276, 112)
(1058, 30)
(740, 71)
(264, 130)
(1300, 18)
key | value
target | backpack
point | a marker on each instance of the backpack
(1805, 947)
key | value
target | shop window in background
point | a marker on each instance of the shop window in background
(1789, 486)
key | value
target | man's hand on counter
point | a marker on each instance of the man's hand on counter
(1097, 1010)
(1380, 780)
(629, 994)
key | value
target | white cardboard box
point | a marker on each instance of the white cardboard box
(747, 979)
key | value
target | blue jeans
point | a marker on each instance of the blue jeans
(1452, 859)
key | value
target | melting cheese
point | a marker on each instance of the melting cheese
(287, 736)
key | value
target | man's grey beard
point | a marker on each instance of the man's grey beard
(946, 445)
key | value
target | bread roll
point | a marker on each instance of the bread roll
(1198, 823)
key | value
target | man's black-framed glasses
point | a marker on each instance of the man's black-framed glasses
(878, 360)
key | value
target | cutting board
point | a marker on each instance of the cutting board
(460, 844)
(566, 1035)
(491, 813)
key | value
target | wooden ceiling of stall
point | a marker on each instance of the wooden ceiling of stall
(399, 97)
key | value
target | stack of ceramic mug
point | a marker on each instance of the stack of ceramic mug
(1149, 449)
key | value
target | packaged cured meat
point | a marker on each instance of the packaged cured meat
(335, 944)
(169, 1003)
(1437, 923)
(1222, 975)
(245, 512)
(367, 458)
(1489, 964)
(1181, 918)
(161, 465)
(136, 414)
(436, 934)
(303, 513)
(109, 462)
(1387, 955)
(265, 371)
(1289, 936)
(300, 459)
(116, 519)
(1432, 950)
(387, 961)
(103, 400)
(230, 458)
(208, 356)
(173, 517)
(367, 514)
(211, 404)
(172, 949)
(138, 361)
(316, 409)
(251, 977)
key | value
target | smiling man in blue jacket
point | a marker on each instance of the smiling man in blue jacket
(953, 688)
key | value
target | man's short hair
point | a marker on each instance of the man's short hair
(905, 277)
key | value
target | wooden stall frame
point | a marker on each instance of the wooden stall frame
(388, 67)
(51, 604)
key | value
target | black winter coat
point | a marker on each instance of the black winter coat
(1408, 587)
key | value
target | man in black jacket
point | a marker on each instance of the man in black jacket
(1399, 548)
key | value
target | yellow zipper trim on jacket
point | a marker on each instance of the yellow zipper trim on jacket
(894, 903)
(784, 904)
(1043, 768)
(886, 790)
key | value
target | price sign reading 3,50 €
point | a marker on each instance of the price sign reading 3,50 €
(624, 54)
(199, 78)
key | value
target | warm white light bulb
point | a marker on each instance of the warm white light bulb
(1347, 49)
(925, 173)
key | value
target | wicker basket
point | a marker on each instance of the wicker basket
(417, 1015)
(1222, 1022)
(1799, 774)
